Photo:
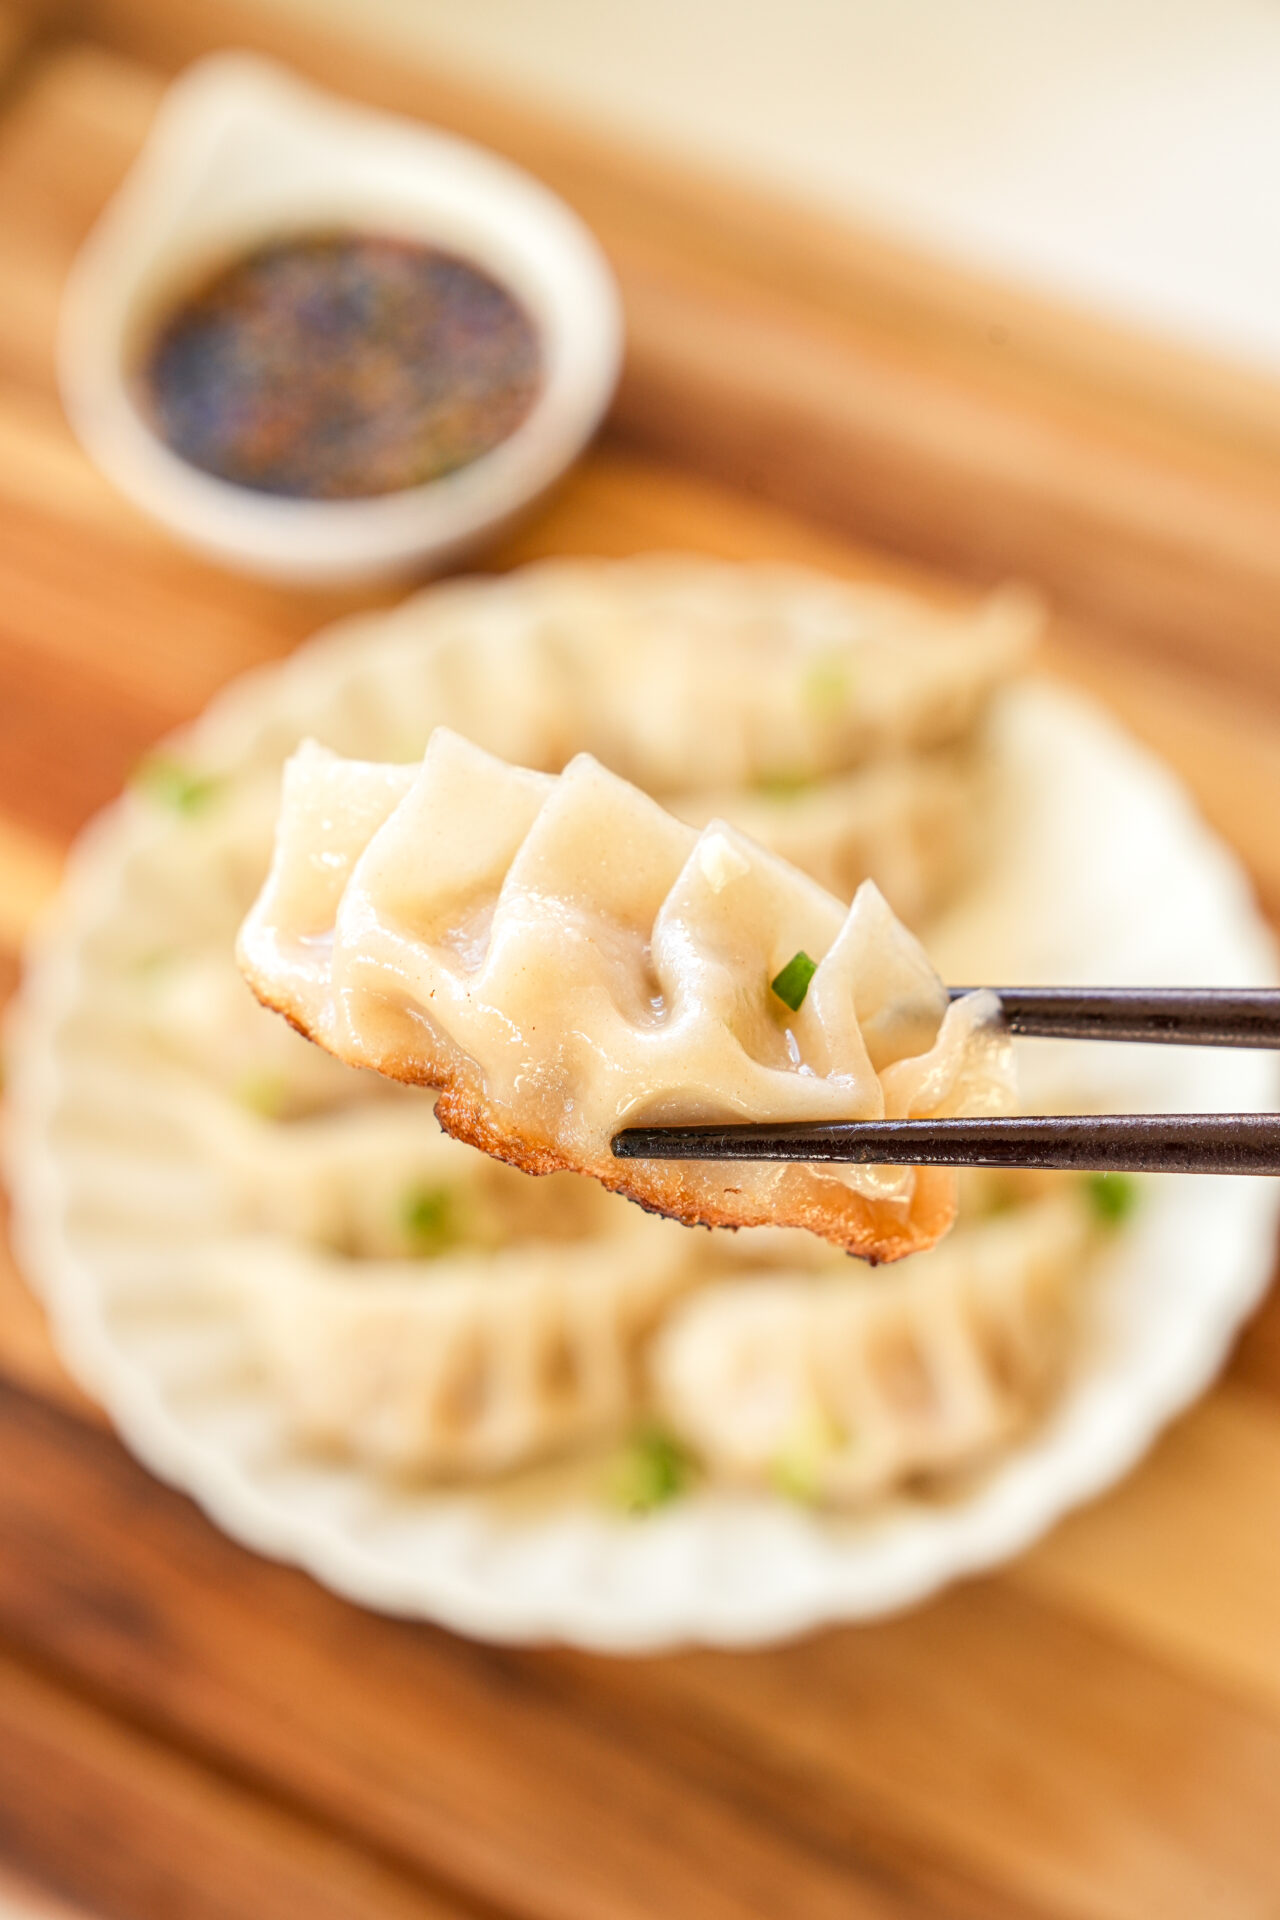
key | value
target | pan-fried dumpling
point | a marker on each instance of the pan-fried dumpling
(850, 719)
(911, 822)
(563, 958)
(470, 1365)
(842, 1388)
(381, 1181)
(197, 1012)
(684, 675)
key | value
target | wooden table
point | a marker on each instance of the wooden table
(188, 1730)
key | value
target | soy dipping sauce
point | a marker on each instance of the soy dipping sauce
(339, 365)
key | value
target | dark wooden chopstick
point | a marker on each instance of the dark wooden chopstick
(1097, 1143)
(1174, 1016)
(1101, 1143)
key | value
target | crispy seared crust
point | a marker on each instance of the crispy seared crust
(856, 1224)
(660, 1187)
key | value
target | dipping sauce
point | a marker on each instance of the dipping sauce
(333, 366)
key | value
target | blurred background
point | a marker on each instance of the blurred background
(940, 292)
(1121, 156)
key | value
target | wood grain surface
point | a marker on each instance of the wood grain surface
(186, 1729)
(945, 415)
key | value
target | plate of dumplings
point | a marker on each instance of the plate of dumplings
(525, 1407)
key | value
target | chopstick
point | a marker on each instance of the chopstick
(1174, 1016)
(1229, 1143)
(1097, 1143)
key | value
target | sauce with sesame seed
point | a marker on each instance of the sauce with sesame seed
(335, 366)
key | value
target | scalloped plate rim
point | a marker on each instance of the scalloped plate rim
(179, 1457)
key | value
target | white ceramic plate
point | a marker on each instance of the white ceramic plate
(1104, 874)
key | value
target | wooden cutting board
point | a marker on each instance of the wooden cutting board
(186, 1729)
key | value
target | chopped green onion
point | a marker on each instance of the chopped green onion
(429, 1218)
(650, 1470)
(1112, 1195)
(828, 683)
(797, 1470)
(796, 1477)
(782, 786)
(264, 1093)
(157, 960)
(172, 785)
(792, 984)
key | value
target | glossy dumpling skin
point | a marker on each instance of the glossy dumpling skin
(562, 958)
(841, 1389)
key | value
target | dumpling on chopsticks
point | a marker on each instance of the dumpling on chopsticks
(562, 958)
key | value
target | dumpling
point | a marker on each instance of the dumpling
(472, 1365)
(197, 1012)
(563, 958)
(685, 675)
(913, 823)
(381, 1181)
(840, 723)
(842, 1389)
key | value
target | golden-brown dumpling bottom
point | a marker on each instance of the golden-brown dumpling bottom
(563, 958)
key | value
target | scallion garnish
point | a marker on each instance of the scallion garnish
(267, 1094)
(783, 786)
(798, 1469)
(1113, 1196)
(792, 984)
(651, 1469)
(180, 788)
(429, 1217)
(828, 683)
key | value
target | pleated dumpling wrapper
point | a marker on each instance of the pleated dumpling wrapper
(840, 1389)
(562, 958)
(488, 1361)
